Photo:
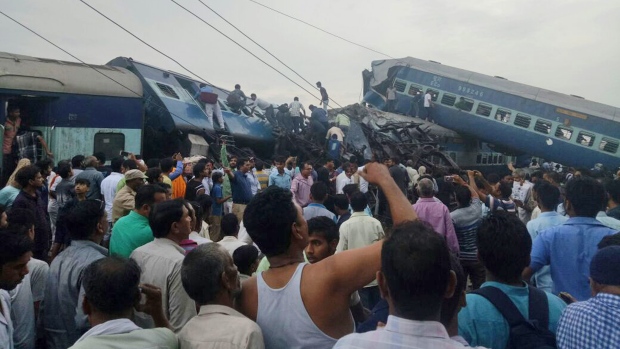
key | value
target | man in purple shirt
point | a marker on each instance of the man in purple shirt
(435, 213)
(300, 187)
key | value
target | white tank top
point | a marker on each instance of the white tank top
(284, 320)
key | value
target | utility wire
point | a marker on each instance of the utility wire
(259, 45)
(94, 68)
(241, 46)
(323, 30)
(146, 43)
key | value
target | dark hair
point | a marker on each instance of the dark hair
(152, 175)
(585, 195)
(44, 164)
(20, 217)
(349, 189)
(198, 213)
(100, 157)
(150, 163)
(341, 201)
(146, 195)
(116, 164)
(448, 308)
(77, 160)
(12, 107)
(259, 165)
(280, 159)
(130, 164)
(547, 194)
(201, 273)
(613, 190)
(166, 164)
(64, 169)
(609, 240)
(83, 218)
(416, 264)
(244, 257)
(13, 246)
(325, 227)
(166, 186)
(198, 169)
(111, 284)
(556, 177)
(237, 86)
(319, 190)
(493, 178)
(504, 245)
(462, 195)
(505, 189)
(26, 174)
(215, 177)
(84, 181)
(162, 216)
(229, 225)
(205, 202)
(359, 202)
(268, 219)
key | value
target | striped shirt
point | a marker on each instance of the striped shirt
(591, 324)
(466, 221)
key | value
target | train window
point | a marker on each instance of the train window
(503, 115)
(479, 158)
(109, 143)
(453, 156)
(484, 159)
(465, 104)
(495, 159)
(434, 94)
(484, 109)
(448, 99)
(400, 85)
(167, 90)
(522, 120)
(608, 145)
(414, 90)
(564, 132)
(500, 159)
(542, 126)
(586, 139)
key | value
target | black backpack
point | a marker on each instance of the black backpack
(524, 334)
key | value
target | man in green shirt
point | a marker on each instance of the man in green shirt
(133, 230)
(226, 185)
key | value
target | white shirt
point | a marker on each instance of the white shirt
(6, 325)
(335, 131)
(427, 100)
(160, 261)
(363, 182)
(261, 103)
(108, 190)
(391, 93)
(295, 108)
(401, 333)
(22, 315)
(341, 181)
(231, 243)
(194, 236)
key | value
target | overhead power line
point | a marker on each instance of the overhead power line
(243, 47)
(261, 46)
(323, 30)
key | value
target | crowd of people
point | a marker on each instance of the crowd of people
(238, 253)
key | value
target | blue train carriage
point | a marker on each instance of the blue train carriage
(175, 120)
(515, 117)
(74, 106)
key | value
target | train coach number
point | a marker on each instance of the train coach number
(471, 91)
(436, 81)
(72, 117)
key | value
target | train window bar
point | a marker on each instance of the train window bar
(503, 115)
(564, 132)
(585, 138)
(542, 126)
(609, 145)
(484, 109)
(523, 121)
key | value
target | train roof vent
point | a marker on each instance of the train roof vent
(577, 96)
(168, 91)
(500, 77)
(434, 61)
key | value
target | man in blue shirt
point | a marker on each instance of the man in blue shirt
(504, 248)
(547, 196)
(569, 248)
(318, 194)
(241, 187)
(280, 177)
(594, 323)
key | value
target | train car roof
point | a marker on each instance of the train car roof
(18, 72)
(500, 84)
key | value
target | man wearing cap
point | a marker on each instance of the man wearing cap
(125, 199)
(594, 323)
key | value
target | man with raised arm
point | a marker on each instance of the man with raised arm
(277, 226)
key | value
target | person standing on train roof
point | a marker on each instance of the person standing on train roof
(296, 109)
(428, 105)
(324, 96)
(236, 99)
(209, 98)
(390, 93)
(263, 105)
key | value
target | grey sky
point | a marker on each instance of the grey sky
(568, 46)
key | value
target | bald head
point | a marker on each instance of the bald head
(201, 273)
(425, 186)
(91, 161)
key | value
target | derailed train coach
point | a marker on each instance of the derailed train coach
(122, 106)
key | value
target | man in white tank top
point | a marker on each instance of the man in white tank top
(299, 305)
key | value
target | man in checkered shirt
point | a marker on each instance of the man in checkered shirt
(595, 323)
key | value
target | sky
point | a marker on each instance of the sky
(568, 46)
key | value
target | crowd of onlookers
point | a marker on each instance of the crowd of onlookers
(194, 253)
